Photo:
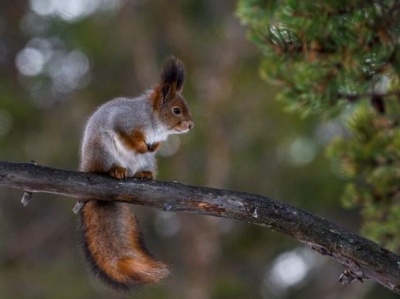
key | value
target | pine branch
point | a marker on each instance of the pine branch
(361, 258)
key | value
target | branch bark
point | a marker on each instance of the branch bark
(361, 258)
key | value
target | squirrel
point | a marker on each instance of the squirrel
(120, 139)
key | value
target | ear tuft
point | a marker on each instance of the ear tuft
(165, 89)
(173, 73)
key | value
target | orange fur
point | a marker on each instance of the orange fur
(135, 140)
(144, 175)
(142, 271)
(114, 246)
(155, 98)
(111, 238)
(118, 172)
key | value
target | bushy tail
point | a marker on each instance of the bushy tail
(113, 246)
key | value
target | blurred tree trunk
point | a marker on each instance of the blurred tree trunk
(204, 244)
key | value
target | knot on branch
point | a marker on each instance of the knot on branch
(347, 277)
(352, 271)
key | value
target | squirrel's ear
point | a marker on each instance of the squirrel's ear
(166, 89)
(173, 74)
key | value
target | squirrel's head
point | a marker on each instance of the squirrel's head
(167, 99)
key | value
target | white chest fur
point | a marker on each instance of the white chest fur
(130, 159)
(157, 135)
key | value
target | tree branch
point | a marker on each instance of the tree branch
(361, 258)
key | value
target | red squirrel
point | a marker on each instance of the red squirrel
(121, 139)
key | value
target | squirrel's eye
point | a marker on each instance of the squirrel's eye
(177, 110)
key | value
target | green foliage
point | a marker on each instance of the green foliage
(327, 54)
(369, 159)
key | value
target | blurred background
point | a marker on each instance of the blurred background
(59, 60)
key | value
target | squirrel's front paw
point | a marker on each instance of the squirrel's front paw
(144, 175)
(153, 147)
(119, 172)
(142, 147)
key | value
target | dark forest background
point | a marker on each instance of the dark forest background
(59, 60)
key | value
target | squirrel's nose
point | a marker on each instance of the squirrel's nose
(190, 125)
